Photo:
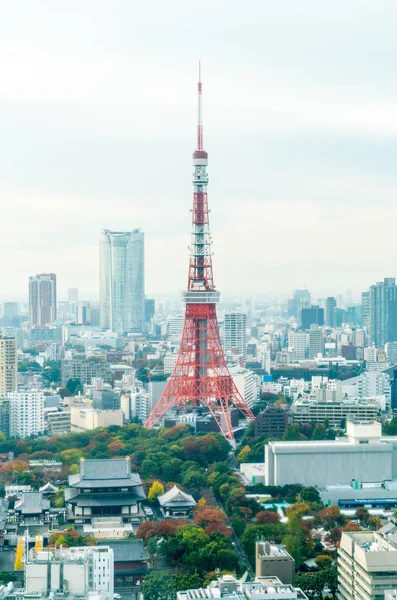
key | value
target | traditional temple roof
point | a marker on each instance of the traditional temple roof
(103, 473)
(110, 499)
(32, 503)
(128, 550)
(49, 488)
(176, 498)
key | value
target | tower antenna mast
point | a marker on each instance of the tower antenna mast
(201, 375)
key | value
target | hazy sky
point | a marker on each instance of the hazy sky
(97, 122)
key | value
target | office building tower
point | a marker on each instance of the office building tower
(122, 280)
(391, 353)
(73, 295)
(316, 341)
(8, 365)
(83, 313)
(298, 343)
(367, 564)
(359, 338)
(355, 315)
(42, 299)
(365, 310)
(149, 309)
(235, 332)
(26, 414)
(330, 312)
(10, 311)
(312, 316)
(383, 312)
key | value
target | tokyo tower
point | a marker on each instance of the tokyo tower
(201, 375)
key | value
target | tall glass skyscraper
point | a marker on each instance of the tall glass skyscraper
(122, 280)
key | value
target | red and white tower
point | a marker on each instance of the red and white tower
(201, 375)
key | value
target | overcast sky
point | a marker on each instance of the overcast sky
(97, 122)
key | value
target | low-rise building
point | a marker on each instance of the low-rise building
(272, 559)
(271, 422)
(83, 418)
(57, 421)
(130, 562)
(32, 509)
(362, 465)
(229, 588)
(76, 571)
(253, 473)
(176, 503)
(335, 412)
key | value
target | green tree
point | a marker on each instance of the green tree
(292, 433)
(318, 432)
(309, 494)
(74, 386)
(294, 547)
(323, 561)
(159, 586)
(331, 577)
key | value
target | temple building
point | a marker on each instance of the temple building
(103, 490)
(176, 503)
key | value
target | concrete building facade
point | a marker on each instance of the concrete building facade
(8, 365)
(26, 414)
(274, 560)
(42, 299)
(235, 334)
(76, 570)
(361, 465)
(367, 563)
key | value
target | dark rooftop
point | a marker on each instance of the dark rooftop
(122, 499)
(128, 550)
(105, 474)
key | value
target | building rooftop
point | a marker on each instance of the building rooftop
(128, 550)
(32, 503)
(177, 497)
(105, 474)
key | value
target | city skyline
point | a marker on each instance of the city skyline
(307, 135)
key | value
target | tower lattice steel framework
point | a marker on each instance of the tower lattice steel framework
(201, 375)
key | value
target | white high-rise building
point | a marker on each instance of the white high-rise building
(247, 384)
(26, 414)
(235, 333)
(122, 280)
(8, 365)
(135, 403)
(169, 362)
(299, 344)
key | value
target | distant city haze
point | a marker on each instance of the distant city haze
(98, 116)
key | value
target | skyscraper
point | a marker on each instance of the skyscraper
(312, 316)
(383, 312)
(236, 333)
(330, 312)
(42, 299)
(122, 280)
(8, 365)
